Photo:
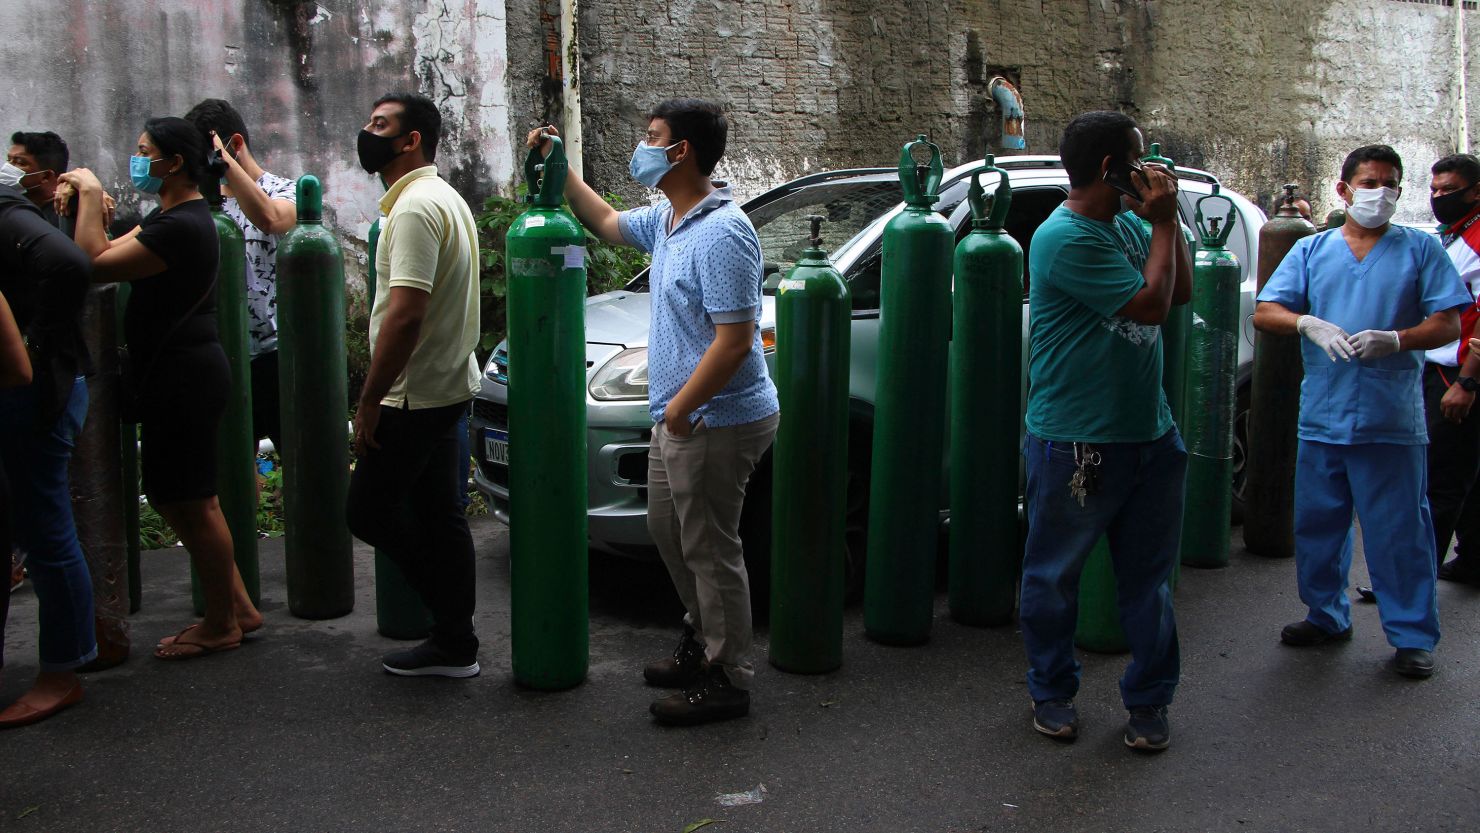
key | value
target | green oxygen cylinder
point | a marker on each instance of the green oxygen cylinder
(236, 447)
(399, 611)
(1178, 322)
(318, 550)
(1098, 627)
(128, 441)
(985, 367)
(909, 413)
(810, 501)
(1212, 364)
(546, 269)
(1274, 405)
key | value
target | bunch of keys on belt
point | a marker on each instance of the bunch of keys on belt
(1086, 478)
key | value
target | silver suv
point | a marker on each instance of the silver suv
(856, 203)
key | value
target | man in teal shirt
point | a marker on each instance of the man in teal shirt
(1103, 457)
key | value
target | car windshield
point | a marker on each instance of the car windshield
(846, 207)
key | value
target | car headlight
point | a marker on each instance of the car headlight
(497, 367)
(625, 377)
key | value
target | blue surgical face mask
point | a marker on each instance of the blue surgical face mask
(650, 163)
(139, 168)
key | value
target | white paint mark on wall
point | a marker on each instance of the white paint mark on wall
(462, 63)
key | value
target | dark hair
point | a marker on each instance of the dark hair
(420, 114)
(48, 148)
(1370, 153)
(217, 114)
(701, 123)
(1467, 166)
(174, 135)
(1089, 138)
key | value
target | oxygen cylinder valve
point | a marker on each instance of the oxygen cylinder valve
(816, 238)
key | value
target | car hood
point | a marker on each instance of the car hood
(623, 318)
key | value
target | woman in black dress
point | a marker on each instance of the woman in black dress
(179, 378)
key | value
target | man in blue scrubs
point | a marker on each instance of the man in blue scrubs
(1369, 297)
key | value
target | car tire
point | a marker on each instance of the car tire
(1240, 452)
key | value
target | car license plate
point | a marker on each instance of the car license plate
(496, 446)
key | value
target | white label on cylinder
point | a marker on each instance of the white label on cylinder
(575, 256)
(534, 221)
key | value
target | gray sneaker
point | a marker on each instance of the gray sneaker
(1148, 729)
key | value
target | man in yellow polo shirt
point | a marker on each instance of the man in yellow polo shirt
(405, 495)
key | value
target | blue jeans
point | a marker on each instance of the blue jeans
(35, 461)
(1385, 484)
(1138, 507)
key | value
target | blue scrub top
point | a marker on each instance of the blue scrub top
(1403, 280)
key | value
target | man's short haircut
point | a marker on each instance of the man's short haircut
(418, 113)
(1467, 166)
(1089, 138)
(701, 123)
(174, 135)
(48, 148)
(1370, 153)
(217, 114)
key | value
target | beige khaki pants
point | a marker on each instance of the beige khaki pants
(696, 488)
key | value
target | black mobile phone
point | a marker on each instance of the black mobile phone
(1119, 176)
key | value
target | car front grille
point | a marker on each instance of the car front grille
(491, 412)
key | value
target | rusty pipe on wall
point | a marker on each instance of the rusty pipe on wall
(1011, 101)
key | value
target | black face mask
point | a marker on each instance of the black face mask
(1453, 206)
(376, 151)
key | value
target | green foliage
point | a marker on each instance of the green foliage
(270, 504)
(154, 533)
(608, 267)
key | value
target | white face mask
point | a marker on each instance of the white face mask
(10, 175)
(1373, 207)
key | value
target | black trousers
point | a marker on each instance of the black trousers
(1454, 461)
(405, 498)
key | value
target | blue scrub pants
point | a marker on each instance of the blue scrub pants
(1386, 484)
(1138, 507)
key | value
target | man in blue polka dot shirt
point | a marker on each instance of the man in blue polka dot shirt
(713, 405)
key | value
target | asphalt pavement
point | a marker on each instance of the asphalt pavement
(301, 730)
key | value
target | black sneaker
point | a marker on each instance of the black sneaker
(1056, 718)
(681, 670)
(1307, 634)
(429, 660)
(1148, 729)
(1459, 572)
(1415, 663)
(712, 698)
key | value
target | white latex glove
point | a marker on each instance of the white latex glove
(1374, 344)
(1326, 336)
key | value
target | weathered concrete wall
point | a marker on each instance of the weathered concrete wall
(1260, 92)
(817, 84)
(303, 74)
(1281, 93)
